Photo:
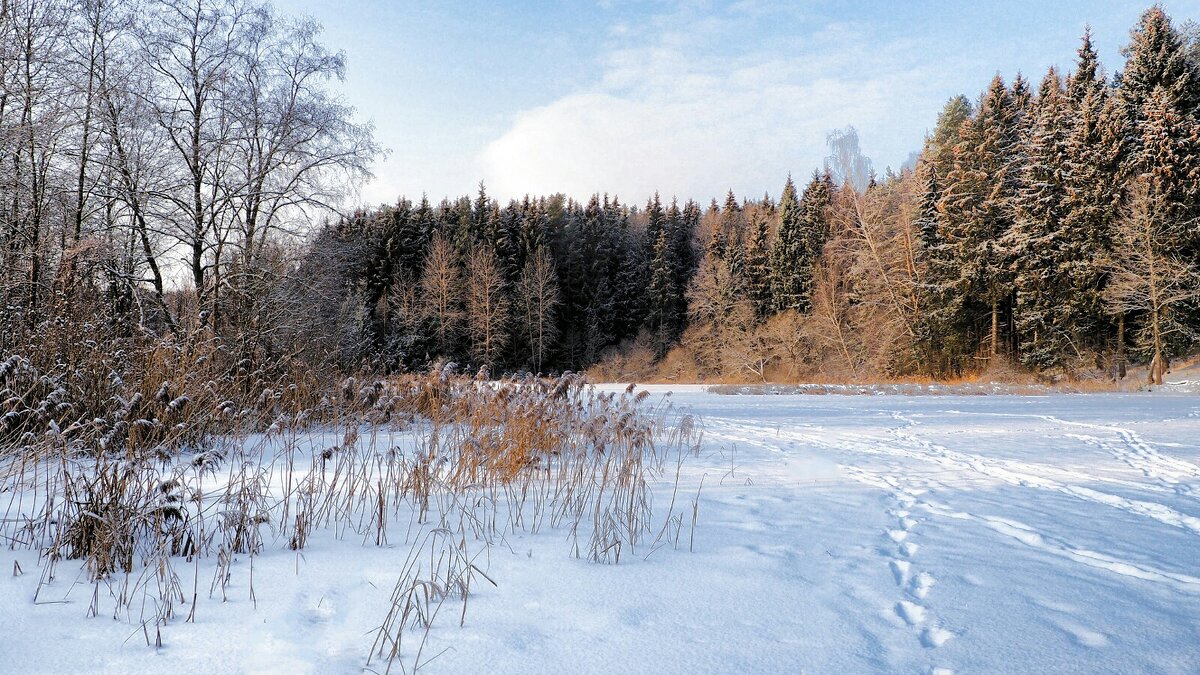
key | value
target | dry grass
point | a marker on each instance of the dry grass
(678, 366)
(146, 480)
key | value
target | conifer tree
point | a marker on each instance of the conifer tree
(655, 224)
(1157, 57)
(732, 228)
(788, 280)
(935, 165)
(803, 230)
(1095, 145)
(662, 306)
(1048, 318)
(818, 195)
(977, 203)
(682, 225)
(758, 266)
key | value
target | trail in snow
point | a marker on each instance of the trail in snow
(1081, 490)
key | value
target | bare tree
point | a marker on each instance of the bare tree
(191, 49)
(538, 298)
(1149, 279)
(487, 305)
(441, 288)
(829, 325)
(875, 251)
(746, 347)
(296, 147)
(786, 340)
(34, 112)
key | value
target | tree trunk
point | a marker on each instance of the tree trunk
(995, 327)
(1121, 347)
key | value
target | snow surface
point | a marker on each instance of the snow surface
(836, 534)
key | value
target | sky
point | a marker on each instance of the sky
(687, 98)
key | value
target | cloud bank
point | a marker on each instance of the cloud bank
(696, 105)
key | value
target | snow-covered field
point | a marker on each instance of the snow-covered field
(836, 534)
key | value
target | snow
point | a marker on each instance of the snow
(885, 533)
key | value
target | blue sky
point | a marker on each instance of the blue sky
(688, 98)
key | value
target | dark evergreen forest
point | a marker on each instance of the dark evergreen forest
(1052, 224)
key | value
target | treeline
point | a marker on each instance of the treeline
(1055, 225)
(161, 163)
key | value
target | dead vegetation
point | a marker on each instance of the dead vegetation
(165, 497)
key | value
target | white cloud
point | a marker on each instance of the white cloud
(740, 116)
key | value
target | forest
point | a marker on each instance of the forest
(171, 174)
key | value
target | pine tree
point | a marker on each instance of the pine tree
(630, 272)
(977, 203)
(732, 228)
(1093, 180)
(818, 195)
(1157, 58)
(1087, 78)
(787, 279)
(533, 228)
(1048, 320)
(682, 225)
(758, 266)
(1170, 143)
(503, 235)
(803, 230)
(1022, 95)
(661, 316)
(933, 169)
(655, 224)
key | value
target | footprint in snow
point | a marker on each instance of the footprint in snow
(920, 584)
(898, 535)
(933, 637)
(900, 570)
(911, 612)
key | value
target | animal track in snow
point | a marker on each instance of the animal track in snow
(911, 612)
(934, 636)
(915, 586)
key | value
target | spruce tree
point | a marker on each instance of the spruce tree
(758, 265)
(733, 229)
(661, 318)
(977, 204)
(682, 225)
(1157, 57)
(787, 279)
(654, 224)
(1049, 321)
(933, 170)
(1095, 146)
